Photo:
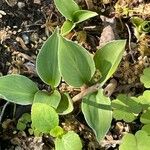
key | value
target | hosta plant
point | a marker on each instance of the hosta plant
(60, 58)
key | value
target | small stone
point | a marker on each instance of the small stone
(37, 2)
(20, 5)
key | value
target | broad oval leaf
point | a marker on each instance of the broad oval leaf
(67, 8)
(141, 141)
(97, 112)
(17, 89)
(47, 61)
(44, 117)
(69, 141)
(82, 15)
(65, 106)
(76, 64)
(145, 78)
(52, 99)
(108, 58)
(67, 27)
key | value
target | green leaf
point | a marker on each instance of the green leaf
(21, 126)
(97, 112)
(108, 58)
(25, 118)
(82, 15)
(67, 8)
(146, 128)
(52, 99)
(44, 117)
(17, 89)
(47, 61)
(126, 108)
(65, 106)
(69, 141)
(145, 78)
(145, 27)
(67, 27)
(57, 132)
(141, 141)
(145, 99)
(76, 64)
(145, 117)
(136, 21)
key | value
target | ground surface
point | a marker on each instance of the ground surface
(26, 24)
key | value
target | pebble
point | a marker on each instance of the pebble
(20, 5)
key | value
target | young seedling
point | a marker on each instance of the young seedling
(61, 58)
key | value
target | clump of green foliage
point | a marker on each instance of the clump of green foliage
(128, 109)
(60, 58)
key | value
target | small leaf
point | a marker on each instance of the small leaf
(141, 141)
(108, 58)
(137, 21)
(146, 128)
(69, 141)
(47, 61)
(65, 106)
(21, 126)
(57, 132)
(145, 99)
(44, 117)
(145, 78)
(67, 8)
(145, 117)
(52, 99)
(126, 108)
(82, 15)
(17, 89)
(145, 27)
(76, 64)
(25, 118)
(97, 112)
(67, 27)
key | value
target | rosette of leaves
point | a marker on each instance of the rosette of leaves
(73, 14)
(62, 58)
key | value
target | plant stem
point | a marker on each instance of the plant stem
(3, 110)
(87, 91)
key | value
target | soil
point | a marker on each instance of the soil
(26, 24)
